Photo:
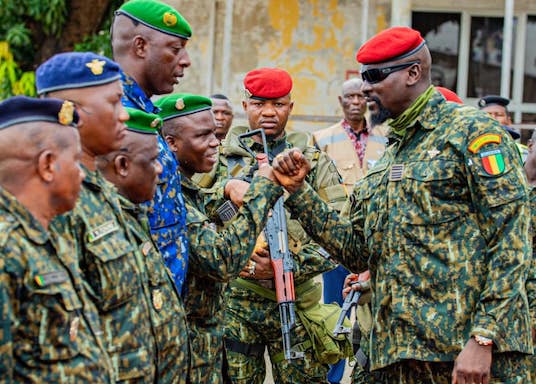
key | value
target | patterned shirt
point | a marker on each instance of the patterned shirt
(359, 139)
(167, 211)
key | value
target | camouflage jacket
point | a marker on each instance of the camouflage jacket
(216, 257)
(443, 221)
(49, 329)
(107, 257)
(167, 213)
(167, 312)
(309, 258)
(531, 280)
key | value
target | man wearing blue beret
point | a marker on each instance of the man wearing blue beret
(442, 222)
(149, 42)
(108, 256)
(49, 327)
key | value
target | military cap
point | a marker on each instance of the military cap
(493, 100)
(267, 83)
(449, 95)
(75, 70)
(182, 104)
(142, 122)
(158, 16)
(22, 109)
(391, 44)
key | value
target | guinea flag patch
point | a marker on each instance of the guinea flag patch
(493, 162)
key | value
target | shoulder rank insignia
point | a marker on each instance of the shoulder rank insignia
(493, 162)
(480, 141)
(169, 19)
(65, 115)
(96, 66)
(179, 104)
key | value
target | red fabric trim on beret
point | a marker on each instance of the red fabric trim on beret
(268, 83)
(389, 45)
(449, 95)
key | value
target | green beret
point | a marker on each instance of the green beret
(143, 122)
(157, 15)
(182, 104)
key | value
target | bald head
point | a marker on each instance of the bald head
(353, 83)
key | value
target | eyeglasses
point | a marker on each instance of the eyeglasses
(375, 75)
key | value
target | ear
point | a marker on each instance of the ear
(172, 142)
(340, 100)
(140, 46)
(291, 105)
(245, 105)
(414, 74)
(121, 165)
(46, 161)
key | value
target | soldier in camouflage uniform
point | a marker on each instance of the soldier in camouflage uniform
(134, 170)
(49, 329)
(149, 43)
(215, 257)
(106, 249)
(252, 321)
(442, 222)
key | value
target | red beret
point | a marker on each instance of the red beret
(449, 95)
(392, 44)
(267, 83)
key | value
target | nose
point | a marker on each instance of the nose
(123, 114)
(82, 173)
(184, 60)
(268, 110)
(214, 141)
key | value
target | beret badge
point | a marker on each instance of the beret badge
(96, 66)
(169, 19)
(482, 103)
(155, 123)
(65, 115)
(179, 104)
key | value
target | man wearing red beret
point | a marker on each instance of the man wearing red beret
(252, 320)
(441, 221)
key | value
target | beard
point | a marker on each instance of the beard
(380, 115)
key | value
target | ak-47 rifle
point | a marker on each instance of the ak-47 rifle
(351, 301)
(281, 259)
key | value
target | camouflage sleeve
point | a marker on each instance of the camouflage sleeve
(7, 321)
(341, 237)
(222, 255)
(500, 197)
(531, 280)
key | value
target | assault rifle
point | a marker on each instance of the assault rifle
(351, 301)
(275, 233)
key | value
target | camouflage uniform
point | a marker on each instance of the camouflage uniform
(107, 257)
(253, 320)
(167, 213)
(446, 241)
(531, 281)
(215, 257)
(49, 329)
(167, 312)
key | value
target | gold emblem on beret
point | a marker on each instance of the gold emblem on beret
(179, 104)
(248, 93)
(155, 123)
(65, 115)
(96, 66)
(169, 19)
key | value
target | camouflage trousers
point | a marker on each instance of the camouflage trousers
(207, 353)
(361, 375)
(253, 320)
(506, 368)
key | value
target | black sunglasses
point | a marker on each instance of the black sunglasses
(375, 75)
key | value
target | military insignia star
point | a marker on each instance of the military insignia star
(96, 66)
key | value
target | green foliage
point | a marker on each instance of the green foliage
(14, 81)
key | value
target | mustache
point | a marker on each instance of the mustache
(382, 113)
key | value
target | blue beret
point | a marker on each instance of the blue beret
(22, 109)
(75, 70)
(493, 100)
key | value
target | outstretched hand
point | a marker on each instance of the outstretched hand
(473, 364)
(290, 169)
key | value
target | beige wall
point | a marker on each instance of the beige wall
(315, 40)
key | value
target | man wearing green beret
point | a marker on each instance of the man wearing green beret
(105, 247)
(149, 42)
(252, 319)
(134, 170)
(49, 328)
(215, 257)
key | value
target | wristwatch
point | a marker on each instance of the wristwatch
(484, 341)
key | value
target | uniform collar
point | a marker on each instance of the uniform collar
(134, 97)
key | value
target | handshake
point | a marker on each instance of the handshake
(288, 169)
